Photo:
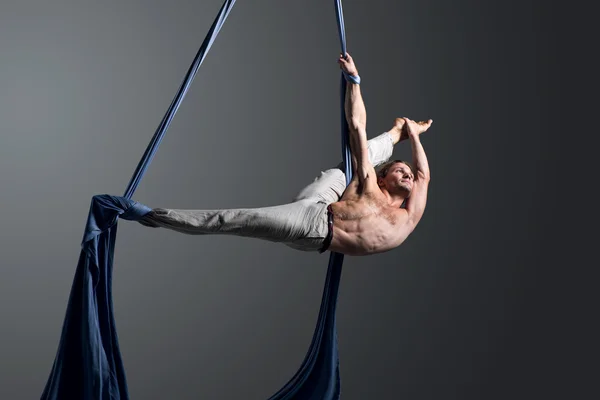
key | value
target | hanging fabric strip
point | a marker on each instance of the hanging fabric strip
(185, 85)
(318, 378)
(88, 364)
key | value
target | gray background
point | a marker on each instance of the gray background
(465, 309)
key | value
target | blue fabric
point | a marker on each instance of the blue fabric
(88, 364)
(183, 89)
(352, 78)
(318, 378)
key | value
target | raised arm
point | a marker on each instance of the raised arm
(356, 115)
(415, 204)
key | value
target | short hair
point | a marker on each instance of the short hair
(384, 168)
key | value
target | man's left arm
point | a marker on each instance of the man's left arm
(415, 204)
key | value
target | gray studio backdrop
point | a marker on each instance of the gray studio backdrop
(84, 86)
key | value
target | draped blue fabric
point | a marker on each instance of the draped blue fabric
(318, 377)
(88, 364)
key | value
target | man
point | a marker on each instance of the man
(363, 218)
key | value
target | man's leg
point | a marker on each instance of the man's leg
(329, 186)
(380, 149)
(303, 224)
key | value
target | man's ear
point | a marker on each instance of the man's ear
(380, 182)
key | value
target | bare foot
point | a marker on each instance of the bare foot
(416, 128)
(400, 130)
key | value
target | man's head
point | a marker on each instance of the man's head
(397, 177)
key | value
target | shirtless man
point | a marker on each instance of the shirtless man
(366, 217)
(369, 218)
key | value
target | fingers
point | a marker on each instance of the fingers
(345, 59)
(417, 127)
(421, 123)
(347, 64)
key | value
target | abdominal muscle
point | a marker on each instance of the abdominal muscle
(366, 225)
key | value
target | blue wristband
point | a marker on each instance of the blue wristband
(352, 78)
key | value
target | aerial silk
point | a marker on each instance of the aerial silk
(88, 363)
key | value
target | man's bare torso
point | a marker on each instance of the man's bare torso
(364, 223)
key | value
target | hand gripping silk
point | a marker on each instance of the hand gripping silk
(88, 364)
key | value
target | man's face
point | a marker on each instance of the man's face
(399, 179)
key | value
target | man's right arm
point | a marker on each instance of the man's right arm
(356, 116)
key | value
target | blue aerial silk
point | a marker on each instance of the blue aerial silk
(88, 364)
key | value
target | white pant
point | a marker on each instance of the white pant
(301, 224)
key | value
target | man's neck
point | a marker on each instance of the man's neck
(394, 200)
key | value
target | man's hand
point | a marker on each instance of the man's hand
(416, 128)
(347, 65)
(405, 127)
